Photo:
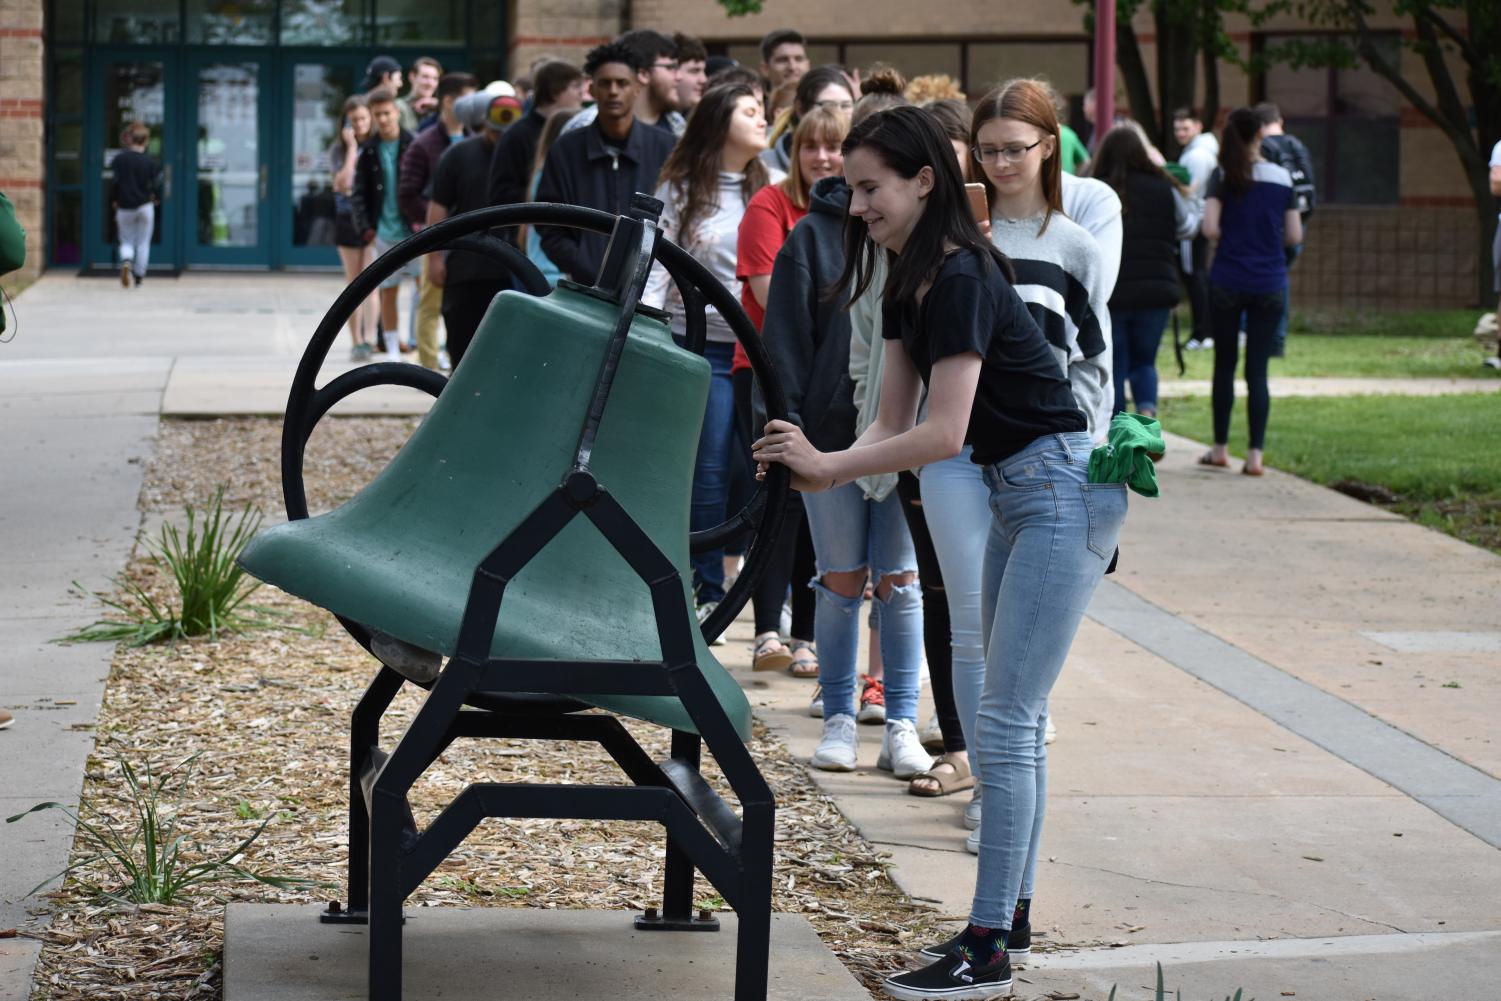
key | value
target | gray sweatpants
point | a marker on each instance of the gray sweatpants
(135, 227)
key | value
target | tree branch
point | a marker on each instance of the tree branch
(1424, 12)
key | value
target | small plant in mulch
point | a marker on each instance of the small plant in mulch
(1161, 994)
(139, 857)
(212, 591)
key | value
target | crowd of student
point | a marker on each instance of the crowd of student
(951, 357)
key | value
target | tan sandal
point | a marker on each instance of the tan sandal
(803, 667)
(957, 780)
(769, 658)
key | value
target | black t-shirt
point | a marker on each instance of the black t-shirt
(460, 185)
(135, 179)
(1023, 393)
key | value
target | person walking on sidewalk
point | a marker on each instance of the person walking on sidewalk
(1288, 152)
(374, 207)
(418, 165)
(1158, 213)
(1251, 213)
(769, 220)
(134, 196)
(955, 326)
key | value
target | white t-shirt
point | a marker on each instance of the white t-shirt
(1496, 162)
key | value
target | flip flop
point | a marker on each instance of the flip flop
(803, 667)
(958, 780)
(1207, 459)
(1248, 471)
(763, 659)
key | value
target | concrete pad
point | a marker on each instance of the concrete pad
(1356, 968)
(219, 387)
(279, 952)
(17, 960)
(1439, 642)
(1283, 386)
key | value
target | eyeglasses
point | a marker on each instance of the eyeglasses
(844, 106)
(1011, 154)
(671, 65)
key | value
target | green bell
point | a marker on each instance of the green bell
(399, 557)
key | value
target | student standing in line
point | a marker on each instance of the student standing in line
(706, 183)
(1158, 214)
(657, 98)
(769, 218)
(559, 86)
(824, 87)
(527, 236)
(418, 165)
(421, 102)
(466, 281)
(1251, 212)
(134, 196)
(955, 325)
(602, 165)
(374, 208)
(693, 78)
(784, 57)
(857, 536)
(355, 253)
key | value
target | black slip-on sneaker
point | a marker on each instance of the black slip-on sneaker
(952, 979)
(1018, 944)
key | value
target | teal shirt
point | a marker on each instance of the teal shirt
(390, 228)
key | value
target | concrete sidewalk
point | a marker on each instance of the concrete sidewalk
(1277, 762)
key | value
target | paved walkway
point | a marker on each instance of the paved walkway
(1277, 765)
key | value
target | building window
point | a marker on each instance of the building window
(324, 22)
(65, 21)
(1350, 119)
(231, 22)
(420, 22)
(137, 22)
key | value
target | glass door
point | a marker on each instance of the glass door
(129, 88)
(228, 175)
(316, 85)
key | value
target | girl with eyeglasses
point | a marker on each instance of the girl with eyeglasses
(955, 324)
(826, 87)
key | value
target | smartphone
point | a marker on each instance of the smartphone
(978, 206)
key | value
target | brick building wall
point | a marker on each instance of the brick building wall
(22, 172)
(566, 29)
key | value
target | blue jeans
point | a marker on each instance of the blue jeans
(852, 533)
(956, 503)
(712, 470)
(1279, 342)
(1051, 538)
(1137, 334)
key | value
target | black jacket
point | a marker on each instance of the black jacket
(581, 170)
(370, 183)
(137, 179)
(511, 162)
(806, 333)
(1149, 244)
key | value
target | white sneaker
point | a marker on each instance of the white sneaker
(932, 735)
(815, 705)
(704, 611)
(1050, 732)
(902, 753)
(972, 811)
(836, 751)
(972, 843)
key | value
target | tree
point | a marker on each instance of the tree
(1467, 113)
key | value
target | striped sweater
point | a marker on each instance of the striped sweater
(1060, 277)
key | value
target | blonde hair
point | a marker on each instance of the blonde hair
(818, 125)
(934, 87)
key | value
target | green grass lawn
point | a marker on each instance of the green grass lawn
(1439, 456)
(1435, 345)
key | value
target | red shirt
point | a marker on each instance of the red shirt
(768, 219)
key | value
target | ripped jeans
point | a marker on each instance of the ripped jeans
(850, 532)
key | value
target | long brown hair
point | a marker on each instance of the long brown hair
(1239, 149)
(817, 125)
(1029, 101)
(550, 133)
(695, 162)
(1122, 153)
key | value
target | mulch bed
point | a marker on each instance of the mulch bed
(268, 713)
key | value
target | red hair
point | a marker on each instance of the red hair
(1029, 101)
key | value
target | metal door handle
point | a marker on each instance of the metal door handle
(167, 181)
(263, 182)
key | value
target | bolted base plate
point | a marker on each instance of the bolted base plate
(654, 921)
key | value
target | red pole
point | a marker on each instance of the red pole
(1104, 68)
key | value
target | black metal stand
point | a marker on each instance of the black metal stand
(476, 696)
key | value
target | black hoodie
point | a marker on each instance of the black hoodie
(807, 333)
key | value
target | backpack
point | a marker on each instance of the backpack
(1290, 154)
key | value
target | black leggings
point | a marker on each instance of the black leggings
(1263, 311)
(792, 560)
(936, 637)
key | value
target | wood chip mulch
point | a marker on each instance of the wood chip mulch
(268, 712)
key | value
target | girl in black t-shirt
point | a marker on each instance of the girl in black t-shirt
(955, 325)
